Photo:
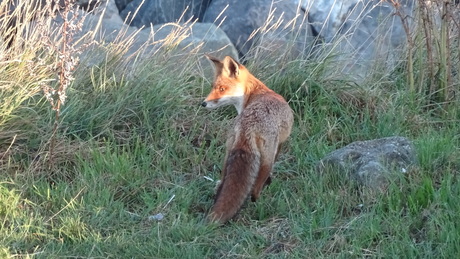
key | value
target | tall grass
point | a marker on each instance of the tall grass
(135, 157)
(433, 50)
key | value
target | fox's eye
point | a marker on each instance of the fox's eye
(222, 89)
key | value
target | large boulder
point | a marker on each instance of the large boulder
(361, 32)
(121, 4)
(111, 24)
(245, 21)
(104, 26)
(196, 38)
(373, 162)
(163, 11)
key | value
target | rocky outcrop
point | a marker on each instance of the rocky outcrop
(163, 11)
(351, 33)
(373, 163)
(121, 4)
(246, 21)
(186, 39)
(359, 33)
(356, 32)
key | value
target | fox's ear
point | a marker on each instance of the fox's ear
(217, 63)
(231, 67)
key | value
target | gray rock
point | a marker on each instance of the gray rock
(245, 21)
(199, 38)
(373, 33)
(111, 27)
(106, 30)
(193, 41)
(89, 5)
(163, 11)
(121, 4)
(360, 32)
(371, 162)
(182, 39)
(326, 16)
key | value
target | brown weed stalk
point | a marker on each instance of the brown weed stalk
(399, 11)
(67, 60)
(427, 23)
(445, 53)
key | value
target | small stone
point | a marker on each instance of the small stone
(156, 217)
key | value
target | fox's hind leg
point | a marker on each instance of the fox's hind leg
(266, 165)
(267, 159)
(262, 179)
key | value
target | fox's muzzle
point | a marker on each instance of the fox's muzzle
(203, 104)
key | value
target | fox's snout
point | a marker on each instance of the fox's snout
(207, 104)
(211, 104)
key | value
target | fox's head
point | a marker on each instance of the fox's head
(229, 85)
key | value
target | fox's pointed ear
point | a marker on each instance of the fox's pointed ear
(231, 67)
(217, 63)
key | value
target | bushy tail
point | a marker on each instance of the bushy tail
(242, 167)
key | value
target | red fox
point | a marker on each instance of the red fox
(263, 123)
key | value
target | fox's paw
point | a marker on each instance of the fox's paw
(215, 219)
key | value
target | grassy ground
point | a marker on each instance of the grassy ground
(134, 145)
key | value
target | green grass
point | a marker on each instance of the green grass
(135, 143)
